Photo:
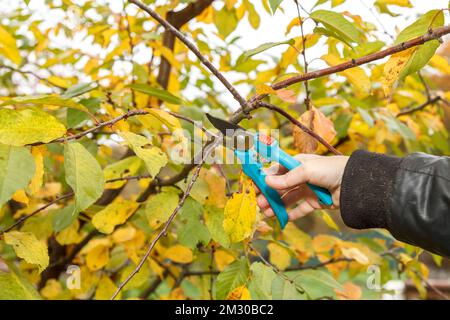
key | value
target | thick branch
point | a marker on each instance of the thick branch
(194, 50)
(178, 19)
(431, 35)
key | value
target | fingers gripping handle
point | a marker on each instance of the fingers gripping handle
(273, 152)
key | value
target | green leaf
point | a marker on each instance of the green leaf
(283, 289)
(431, 19)
(274, 4)
(123, 168)
(64, 217)
(14, 285)
(265, 46)
(40, 100)
(214, 222)
(154, 158)
(337, 24)
(16, 170)
(316, 283)
(192, 231)
(225, 21)
(83, 174)
(158, 93)
(79, 89)
(366, 116)
(419, 58)
(160, 206)
(21, 127)
(233, 276)
(76, 118)
(260, 285)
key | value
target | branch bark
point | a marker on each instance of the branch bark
(431, 35)
(178, 19)
(170, 28)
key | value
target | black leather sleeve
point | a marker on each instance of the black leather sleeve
(408, 196)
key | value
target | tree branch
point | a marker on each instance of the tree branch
(194, 50)
(178, 19)
(406, 111)
(300, 125)
(431, 35)
(209, 148)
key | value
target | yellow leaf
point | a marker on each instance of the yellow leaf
(97, 257)
(70, 234)
(52, 290)
(356, 76)
(240, 214)
(36, 182)
(21, 196)
(28, 248)
(400, 3)
(393, 68)
(299, 241)
(329, 220)
(320, 124)
(121, 169)
(8, 47)
(222, 259)
(217, 188)
(440, 63)
(153, 157)
(294, 22)
(324, 243)
(21, 127)
(114, 214)
(165, 117)
(279, 255)
(105, 289)
(123, 234)
(179, 254)
(349, 291)
(264, 89)
(355, 254)
(239, 293)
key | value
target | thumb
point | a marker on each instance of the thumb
(290, 179)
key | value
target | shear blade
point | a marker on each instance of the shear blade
(242, 140)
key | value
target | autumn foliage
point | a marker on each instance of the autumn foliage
(94, 205)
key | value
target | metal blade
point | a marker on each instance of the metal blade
(223, 125)
(240, 138)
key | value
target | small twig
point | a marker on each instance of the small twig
(301, 126)
(303, 52)
(418, 108)
(427, 88)
(131, 43)
(277, 271)
(31, 73)
(22, 219)
(194, 50)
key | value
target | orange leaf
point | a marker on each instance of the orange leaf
(350, 291)
(320, 124)
(287, 95)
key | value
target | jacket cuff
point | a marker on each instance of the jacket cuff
(366, 189)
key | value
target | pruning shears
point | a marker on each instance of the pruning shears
(248, 147)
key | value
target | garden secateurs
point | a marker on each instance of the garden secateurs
(248, 147)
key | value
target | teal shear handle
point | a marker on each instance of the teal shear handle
(253, 169)
(270, 149)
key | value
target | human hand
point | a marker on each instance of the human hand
(322, 171)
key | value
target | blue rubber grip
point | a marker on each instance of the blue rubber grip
(273, 152)
(253, 169)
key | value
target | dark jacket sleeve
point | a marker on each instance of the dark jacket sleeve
(408, 196)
